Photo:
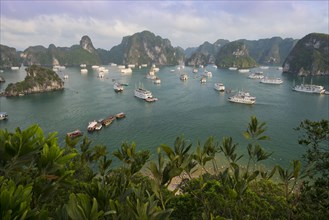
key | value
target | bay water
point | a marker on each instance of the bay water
(186, 108)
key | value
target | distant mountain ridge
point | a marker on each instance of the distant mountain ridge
(8, 57)
(310, 56)
(68, 56)
(205, 53)
(147, 48)
(271, 51)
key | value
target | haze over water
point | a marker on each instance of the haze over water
(189, 108)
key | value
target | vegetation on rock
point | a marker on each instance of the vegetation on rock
(235, 54)
(145, 48)
(310, 56)
(8, 57)
(38, 79)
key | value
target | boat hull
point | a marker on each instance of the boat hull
(74, 134)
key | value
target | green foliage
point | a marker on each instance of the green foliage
(314, 197)
(134, 160)
(256, 153)
(41, 180)
(290, 176)
(206, 154)
(14, 200)
(80, 206)
(228, 149)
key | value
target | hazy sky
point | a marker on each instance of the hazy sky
(184, 23)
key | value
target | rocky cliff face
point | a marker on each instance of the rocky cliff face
(38, 79)
(249, 53)
(235, 54)
(146, 48)
(87, 45)
(67, 56)
(270, 51)
(310, 56)
(8, 57)
(205, 53)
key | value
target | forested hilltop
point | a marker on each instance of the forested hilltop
(41, 180)
(310, 56)
(38, 79)
(9, 57)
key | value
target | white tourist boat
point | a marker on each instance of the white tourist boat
(219, 87)
(84, 71)
(83, 65)
(101, 74)
(203, 80)
(66, 76)
(151, 75)
(309, 88)
(143, 93)
(98, 126)
(118, 87)
(126, 71)
(183, 77)
(242, 97)
(257, 75)
(244, 70)
(3, 115)
(103, 69)
(275, 81)
(14, 68)
(232, 68)
(157, 80)
(155, 69)
(207, 73)
(92, 126)
(153, 99)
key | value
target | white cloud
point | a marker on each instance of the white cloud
(183, 23)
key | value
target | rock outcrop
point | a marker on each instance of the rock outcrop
(270, 51)
(64, 56)
(87, 45)
(146, 48)
(38, 79)
(235, 54)
(205, 53)
(8, 57)
(310, 56)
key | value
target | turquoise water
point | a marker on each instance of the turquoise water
(189, 108)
